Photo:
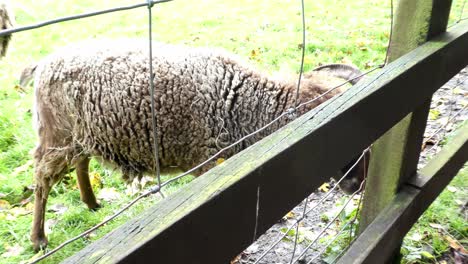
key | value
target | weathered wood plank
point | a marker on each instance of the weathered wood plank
(213, 218)
(386, 232)
(396, 154)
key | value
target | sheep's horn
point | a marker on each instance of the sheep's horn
(27, 75)
(344, 71)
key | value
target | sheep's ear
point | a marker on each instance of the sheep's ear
(343, 71)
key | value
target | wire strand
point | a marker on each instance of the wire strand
(301, 69)
(74, 17)
(312, 208)
(105, 221)
(153, 111)
(330, 223)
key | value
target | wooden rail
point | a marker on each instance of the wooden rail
(386, 232)
(215, 217)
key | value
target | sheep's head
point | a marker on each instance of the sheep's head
(6, 22)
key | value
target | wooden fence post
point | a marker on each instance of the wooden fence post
(395, 155)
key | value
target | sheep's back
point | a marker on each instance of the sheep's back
(106, 100)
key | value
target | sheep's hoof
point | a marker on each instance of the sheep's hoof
(94, 207)
(39, 243)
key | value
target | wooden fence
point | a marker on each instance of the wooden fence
(216, 216)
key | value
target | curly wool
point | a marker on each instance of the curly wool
(94, 99)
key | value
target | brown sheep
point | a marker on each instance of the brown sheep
(93, 99)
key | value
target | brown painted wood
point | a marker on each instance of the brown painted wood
(213, 218)
(396, 154)
(383, 235)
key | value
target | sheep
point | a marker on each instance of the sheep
(93, 100)
(7, 21)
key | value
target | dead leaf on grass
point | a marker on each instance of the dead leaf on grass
(95, 179)
(455, 244)
(324, 187)
(4, 205)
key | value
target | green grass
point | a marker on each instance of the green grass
(265, 32)
(442, 223)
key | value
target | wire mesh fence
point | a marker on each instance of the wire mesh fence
(296, 253)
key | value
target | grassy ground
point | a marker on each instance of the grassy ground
(267, 32)
(443, 227)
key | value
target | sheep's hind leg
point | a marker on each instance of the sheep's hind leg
(86, 190)
(38, 236)
(50, 166)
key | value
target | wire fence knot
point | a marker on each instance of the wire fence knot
(291, 113)
(154, 189)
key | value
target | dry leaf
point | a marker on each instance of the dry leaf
(455, 244)
(4, 205)
(324, 187)
(237, 259)
(219, 161)
(95, 179)
(289, 215)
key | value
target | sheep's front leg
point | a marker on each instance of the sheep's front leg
(38, 236)
(86, 190)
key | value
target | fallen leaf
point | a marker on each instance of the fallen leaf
(434, 114)
(109, 194)
(455, 244)
(219, 161)
(12, 251)
(4, 205)
(324, 187)
(95, 179)
(289, 215)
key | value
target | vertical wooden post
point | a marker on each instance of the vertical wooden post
(395, 155)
